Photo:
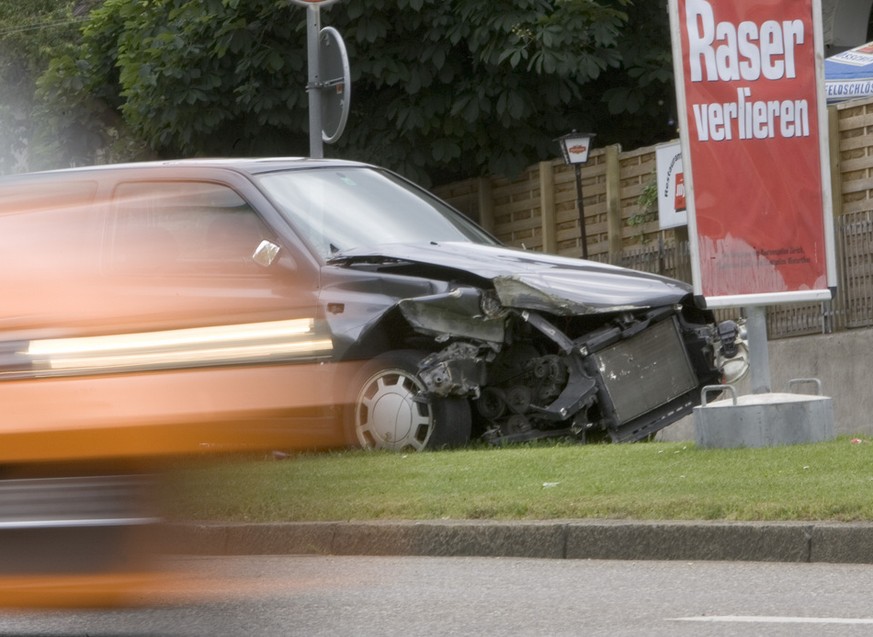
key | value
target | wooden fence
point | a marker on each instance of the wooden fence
(537, 210)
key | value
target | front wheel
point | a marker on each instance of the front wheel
(391, 410)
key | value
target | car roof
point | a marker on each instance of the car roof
(250, 166)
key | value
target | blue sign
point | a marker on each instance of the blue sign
(849, 75)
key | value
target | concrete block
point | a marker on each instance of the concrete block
(764, 420)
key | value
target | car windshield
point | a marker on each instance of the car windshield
(342, 208)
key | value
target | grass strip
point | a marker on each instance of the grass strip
(647, 481)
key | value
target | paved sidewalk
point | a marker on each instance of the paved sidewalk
(556, 539)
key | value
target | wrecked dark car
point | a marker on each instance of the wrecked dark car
(265, 278)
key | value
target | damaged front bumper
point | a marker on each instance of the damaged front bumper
(627, 378)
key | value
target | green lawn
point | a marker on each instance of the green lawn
(653, 481)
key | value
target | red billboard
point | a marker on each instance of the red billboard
(753, 131)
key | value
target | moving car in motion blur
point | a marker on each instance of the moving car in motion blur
(225, 291)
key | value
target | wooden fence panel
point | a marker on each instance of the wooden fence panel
(517, 210)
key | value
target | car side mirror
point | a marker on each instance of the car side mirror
(265, 254)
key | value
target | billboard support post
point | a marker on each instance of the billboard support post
(759, 356)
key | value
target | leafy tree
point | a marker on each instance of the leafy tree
(34, 33)
(441, 89)
(28, 28)
(640, 97)
(471, 86)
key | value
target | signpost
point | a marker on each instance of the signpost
(329, 86)
(336, 84)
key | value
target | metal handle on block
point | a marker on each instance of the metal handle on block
(719, 388)
(801, 381)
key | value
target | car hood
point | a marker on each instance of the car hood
(531, 280)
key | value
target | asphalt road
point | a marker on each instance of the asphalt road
(316, 596)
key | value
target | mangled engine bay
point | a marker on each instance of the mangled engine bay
(536, 365)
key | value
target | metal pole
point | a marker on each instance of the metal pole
(759, 356)
(313, 31)
(580, 206)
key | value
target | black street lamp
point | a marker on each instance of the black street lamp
(575, 147)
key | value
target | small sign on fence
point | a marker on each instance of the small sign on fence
(672, 206)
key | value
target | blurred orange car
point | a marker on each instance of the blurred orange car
(138, 327)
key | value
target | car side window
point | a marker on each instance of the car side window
(49, 246)
(182, 227)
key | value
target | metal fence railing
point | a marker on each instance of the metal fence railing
(852, 307)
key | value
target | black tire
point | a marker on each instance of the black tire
(389, 411)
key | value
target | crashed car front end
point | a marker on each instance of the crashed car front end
(459, 337)
(557, 347)
(629, 378)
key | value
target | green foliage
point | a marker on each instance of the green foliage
(174, 74)
(648, 204)
(441, 89)
(29, 33)
(640, 99)
(468, 87)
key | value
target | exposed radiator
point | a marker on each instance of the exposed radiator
(646, 371)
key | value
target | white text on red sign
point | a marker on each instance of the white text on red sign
(747, 52)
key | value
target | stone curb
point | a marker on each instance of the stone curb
(571, 539)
